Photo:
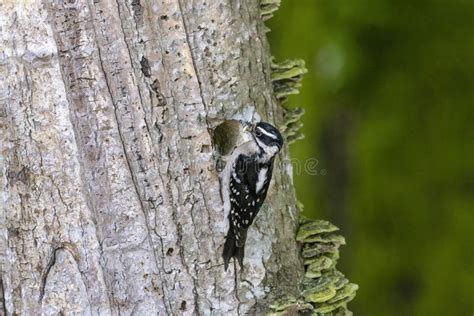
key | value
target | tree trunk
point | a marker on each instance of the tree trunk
(110, 191)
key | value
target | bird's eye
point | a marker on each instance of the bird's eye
(258, 133)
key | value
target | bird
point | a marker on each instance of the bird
(245, 182)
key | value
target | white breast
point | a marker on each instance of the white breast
(262, 177)
(247, 148)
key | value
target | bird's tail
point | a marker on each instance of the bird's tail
(232, 250)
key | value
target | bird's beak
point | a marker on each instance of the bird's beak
(247, 131)
(246, 126)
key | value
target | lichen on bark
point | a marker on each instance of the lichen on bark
(324, 290)
(110, 191)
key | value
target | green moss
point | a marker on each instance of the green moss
(268, 7)
(327, 238)
(318, 265)
(326, 289)
(320, 295)
(286, 78)
(285, 305)
(347, 291)
(311, 228)
(292, 125)
(310, 254)
(288, 69)
(325, 308)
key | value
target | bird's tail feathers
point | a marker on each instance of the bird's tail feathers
(231, 250)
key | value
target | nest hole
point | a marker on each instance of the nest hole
(225, 136)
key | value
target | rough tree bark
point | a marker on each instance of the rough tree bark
(110, 194)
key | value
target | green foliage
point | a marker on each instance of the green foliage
(389, 114)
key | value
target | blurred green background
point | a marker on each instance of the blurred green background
(389, 100)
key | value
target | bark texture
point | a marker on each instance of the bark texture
(110, 194)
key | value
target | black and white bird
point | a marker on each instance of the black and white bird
(245, 181)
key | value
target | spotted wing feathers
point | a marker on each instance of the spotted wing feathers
(249, 183)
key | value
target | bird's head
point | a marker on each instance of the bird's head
(266, 136)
